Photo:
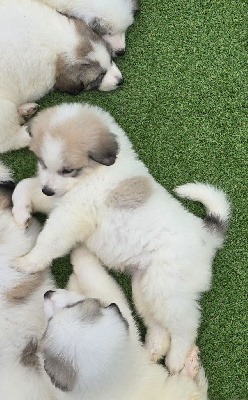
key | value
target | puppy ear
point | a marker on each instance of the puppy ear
(68, 76)
(99, 26)
(105, 149)
(62, 374)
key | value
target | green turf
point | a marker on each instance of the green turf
(184, 106)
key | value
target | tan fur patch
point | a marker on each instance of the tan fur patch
(21, 292)
(5, 201)
(84, 137)
(130, 193)
(29, 356)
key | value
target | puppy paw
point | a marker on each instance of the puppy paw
(23, 138)
(26, 264)
(192, 363)
(22, 216)
(26, 110)
(175, 361)
(157, 343)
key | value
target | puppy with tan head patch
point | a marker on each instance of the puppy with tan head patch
(109, 19)
(41, 50)
(97, 191)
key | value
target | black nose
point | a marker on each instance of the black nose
(49, 294)
(47, 191)
(119, 53)
(121, 81)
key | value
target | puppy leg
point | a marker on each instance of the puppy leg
(94, 281)
(28, 198)
(12, 135)
(25, 111)
(157, 337)
(62, 230)
(182, 319)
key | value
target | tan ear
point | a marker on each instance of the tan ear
(105, 148)
(62, 374)
(69, 76)
(99, 26)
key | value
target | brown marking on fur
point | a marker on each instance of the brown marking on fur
(84, 136)
(75, 75)
(130, 193)
(61, 372)
(20, 293)
(6, 190)
(29, 356)
(90, 310)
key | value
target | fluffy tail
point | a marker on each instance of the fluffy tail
(7, 187)
(216, 203)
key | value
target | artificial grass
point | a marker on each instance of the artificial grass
(184, 106)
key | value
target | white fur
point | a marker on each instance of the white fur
(111, 363)
(32, 35)
(168, 250)
(115, 15)
(108, 362)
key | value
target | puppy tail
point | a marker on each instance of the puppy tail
(7, 187)
(215, 200)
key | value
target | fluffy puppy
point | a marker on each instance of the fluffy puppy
(41, 49)
(109, 19)
(107, 360)
(53, 366)
(22, 319)
(96, 191)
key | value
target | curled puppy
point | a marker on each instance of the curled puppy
(109, 19)
(98, 192)
(22, 319)
(111, 363)
(41, 49)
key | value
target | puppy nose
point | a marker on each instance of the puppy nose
(119, 53)
(49, 294)
(47, 191)
(121, 81)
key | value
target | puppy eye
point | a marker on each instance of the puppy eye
(66, 171)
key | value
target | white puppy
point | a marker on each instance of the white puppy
(93, 346)
(103, 347)
(109, 19)
(22, 319)
(96, 191)
(41, 49)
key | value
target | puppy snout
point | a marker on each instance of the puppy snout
(120, 52)
(47, 191)
(48, 294)
(120, 82)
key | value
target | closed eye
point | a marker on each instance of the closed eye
(72, 172)
(66, 171)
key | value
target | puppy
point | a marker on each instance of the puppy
(107, 360)
(33, 364)
(109, 19)
(96, 191)
(41, 49)
(22, 319)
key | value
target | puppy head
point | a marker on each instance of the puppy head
(113, 23)
(70, 141)
(88, 66)
(82, 341)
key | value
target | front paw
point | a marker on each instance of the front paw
(26, 264)
(22, 216)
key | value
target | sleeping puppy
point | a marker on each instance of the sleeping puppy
(22, 319)
(109, 19)
(41, 49)
(46, 366)
(111, 363)
(96, 191)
